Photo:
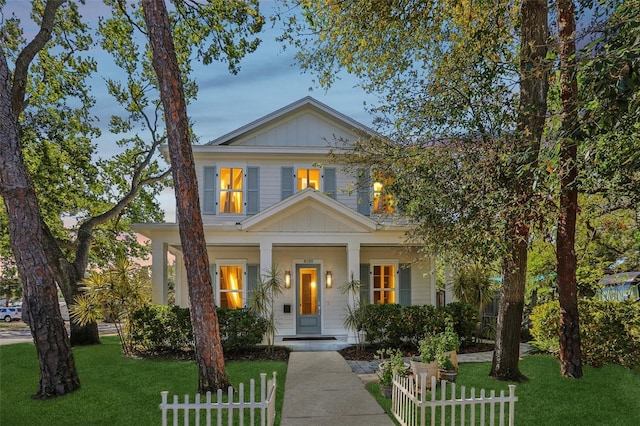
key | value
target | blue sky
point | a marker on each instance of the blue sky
(268, 80)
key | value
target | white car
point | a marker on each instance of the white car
(11, 313)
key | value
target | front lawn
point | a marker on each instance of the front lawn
(114, 390)
(604, 396)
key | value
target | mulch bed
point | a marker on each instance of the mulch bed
(367, 353)
(277, 353)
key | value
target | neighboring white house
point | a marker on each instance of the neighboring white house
(271, 194)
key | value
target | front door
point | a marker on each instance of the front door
(308, 293)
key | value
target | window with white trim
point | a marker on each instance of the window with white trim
(308, 178)
(231, 187)
(383, 202)
(384, 283)
(230, 285)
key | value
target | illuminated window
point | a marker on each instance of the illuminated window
(383, 202)
(384, 284)
(230, 286)
(308, 178)
(230, 190)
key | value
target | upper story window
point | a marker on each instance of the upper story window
(384, 284)
(294, 179)
(308, 178)
(231, 190)
(383, 202)
(373, 197)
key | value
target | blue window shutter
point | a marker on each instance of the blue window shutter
(405, 284)
(252, 281)
(330, 182)
(364, 283)
(287, 182)
(253, 190)
(213, 271)
(209, 191)
(364, 189)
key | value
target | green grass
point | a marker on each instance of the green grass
(604, 396)
(114, 390)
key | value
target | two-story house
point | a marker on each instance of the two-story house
(271, 194)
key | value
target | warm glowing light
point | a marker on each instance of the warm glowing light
(287, 279)
(329, 279)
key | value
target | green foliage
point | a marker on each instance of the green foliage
(263, 298)
(394, 365)
(240, 329)
(114, 294)
(473, 285)
(609, 331)
(465, 320)
(159, 328)
(433, 345)
(381, 323)
(355, 318)
(406, 326)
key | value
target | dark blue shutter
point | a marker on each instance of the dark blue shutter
(209, 191)
(404, 286)
(213, 271)
(252, 281)
(364, 189)
(364, 283)
(286, 183)
(253, 190)
(330, 182)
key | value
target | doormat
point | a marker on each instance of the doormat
(293, 339)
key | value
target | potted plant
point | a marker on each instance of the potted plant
(388, 367)
(426, 363)
(450, 343)
(447, 369)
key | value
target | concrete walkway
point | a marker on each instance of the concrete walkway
(322, 389)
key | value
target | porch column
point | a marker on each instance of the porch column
(266, 256)
(353, 271)
(158, 272)
(181, 284)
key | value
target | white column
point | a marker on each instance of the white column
(353, 271)
(181, 284)
(266, 256)
(159, 272)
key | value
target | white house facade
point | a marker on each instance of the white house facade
(271, 194)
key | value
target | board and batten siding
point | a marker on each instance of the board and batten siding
(305, 129)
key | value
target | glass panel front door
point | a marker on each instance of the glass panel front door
(308, 293)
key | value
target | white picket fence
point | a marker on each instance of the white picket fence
(261, 412)
(410, 405)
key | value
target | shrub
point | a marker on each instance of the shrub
(465, 320)
(160, 328)
(240, 329)
(609, 331)
(378, 321)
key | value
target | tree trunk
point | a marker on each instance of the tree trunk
(204, 318)
(570, 352)
(506, 354)
(27, 232)
(531, 118)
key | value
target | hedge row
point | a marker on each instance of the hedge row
(159, 328)
(396, 326)
(609, 331)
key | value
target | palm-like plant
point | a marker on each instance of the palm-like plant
(473, 285)
(114, 294)
(355, 317)
(263, 298)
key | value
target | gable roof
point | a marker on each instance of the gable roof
(309, 205)
(306, 103)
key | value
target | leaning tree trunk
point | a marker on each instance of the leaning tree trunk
(27, 232)
(531, 118)
(570, 352)
(204, 318)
